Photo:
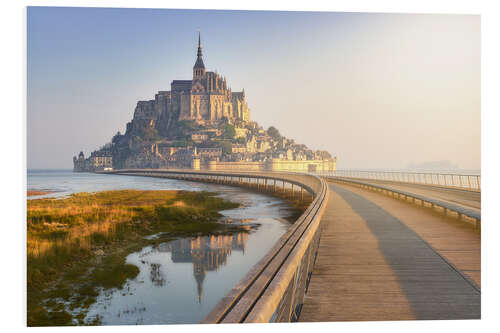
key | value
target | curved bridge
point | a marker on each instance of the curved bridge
(274, 288)
(387, 251)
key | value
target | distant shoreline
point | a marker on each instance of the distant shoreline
(31, 193)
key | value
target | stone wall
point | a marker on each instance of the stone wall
(275, 165)
(233, 166)
(302, 166)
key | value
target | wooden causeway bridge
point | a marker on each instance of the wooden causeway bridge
(364, 250)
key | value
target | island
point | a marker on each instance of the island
(201, 124)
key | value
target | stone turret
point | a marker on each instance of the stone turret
(79, 163)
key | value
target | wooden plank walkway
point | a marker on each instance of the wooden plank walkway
(467, 199)
(458, 242)
(374, 264)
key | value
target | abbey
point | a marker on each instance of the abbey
(206, 99)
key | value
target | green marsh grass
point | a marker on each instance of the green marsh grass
(77, 246)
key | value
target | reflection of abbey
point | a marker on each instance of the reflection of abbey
(207, 253)
(201, 123)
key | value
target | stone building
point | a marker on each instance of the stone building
(205, 99)
(79, 162)
(199, 137)
(238, 148)
(101, 161)
(98, 161)
(208, 154)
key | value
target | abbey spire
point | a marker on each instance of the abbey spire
(199, 66)
(199, 45)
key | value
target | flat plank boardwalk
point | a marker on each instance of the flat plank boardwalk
(385, 259)
(465, 198)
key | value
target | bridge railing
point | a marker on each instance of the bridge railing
(445, 206)
(264, 181)
(463, 181)
(274, 288)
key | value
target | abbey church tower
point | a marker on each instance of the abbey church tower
(206, 99)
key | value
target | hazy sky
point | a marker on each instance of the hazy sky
(375, 90)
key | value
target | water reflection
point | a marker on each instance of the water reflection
(207, 253)
(180, 281)
(156, 276)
